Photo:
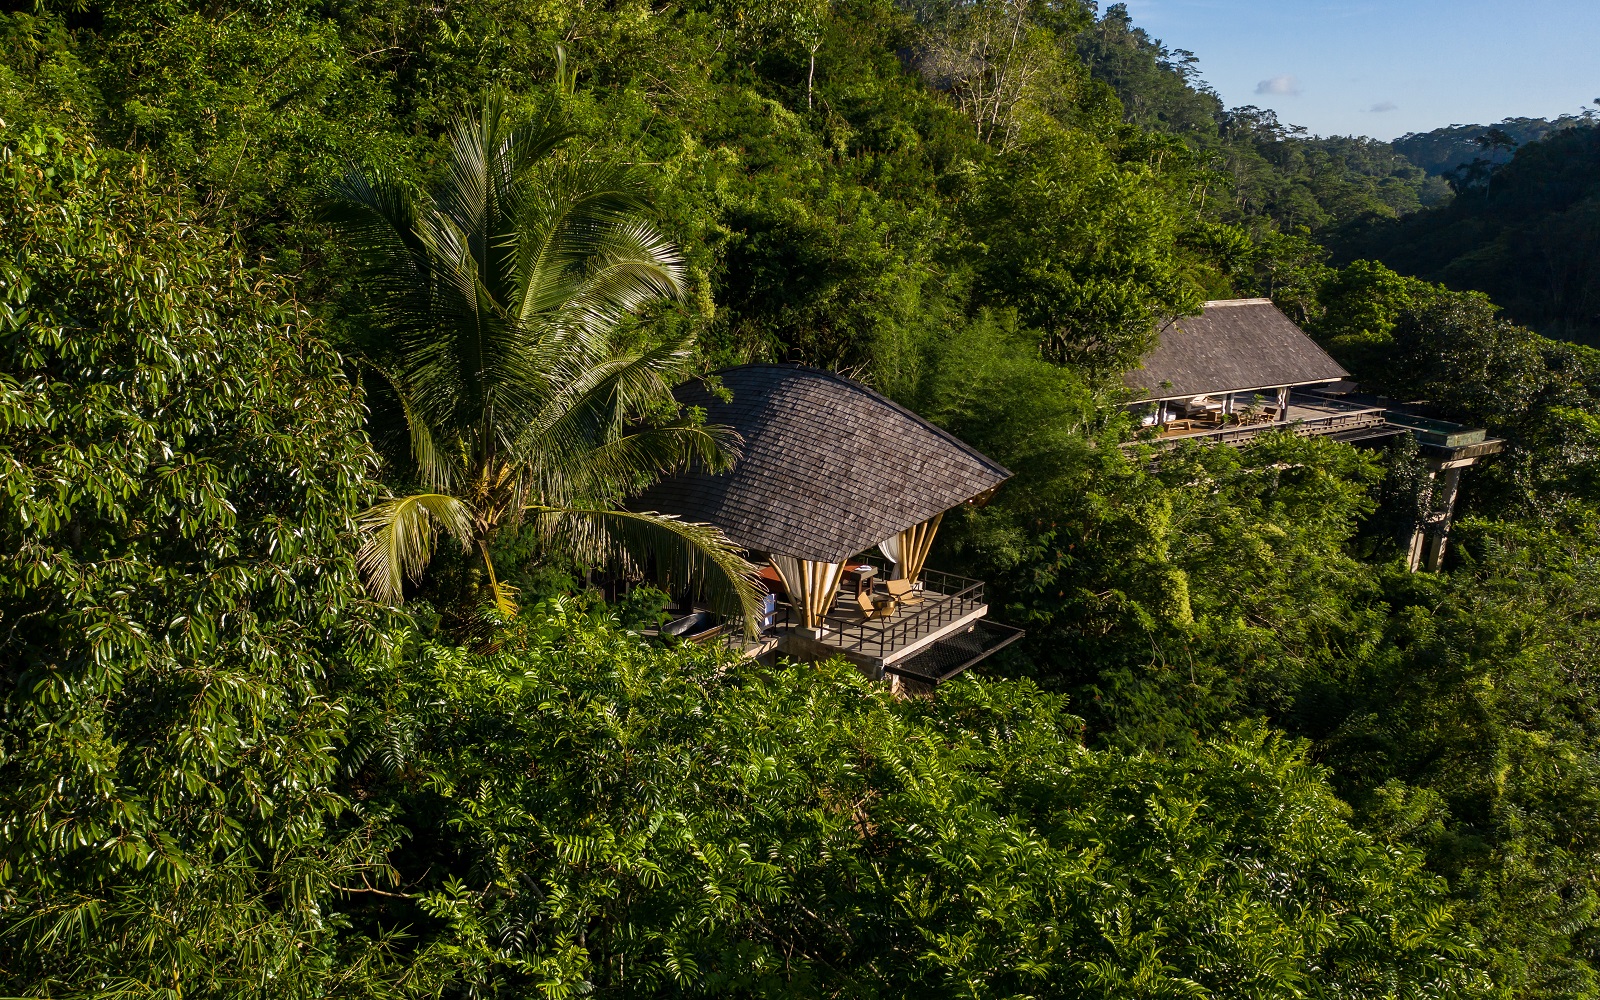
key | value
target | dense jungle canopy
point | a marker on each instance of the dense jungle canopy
(1241, 753)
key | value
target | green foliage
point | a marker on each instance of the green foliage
(1082, 247)
(873, 187)
(1524, 233)
(1469, 730)
(591, 814)
(1160, 88)
(1353, 312)
(182, 464)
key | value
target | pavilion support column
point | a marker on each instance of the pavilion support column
(1415, 546)
(1283, 405)
(1430, 536)
(812, 586)
(1436, 549)
(1447, 487)
(909, 549)
(1417, 542)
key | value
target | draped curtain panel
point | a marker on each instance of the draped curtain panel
(890, 547)
(812, 586)
(909, 549)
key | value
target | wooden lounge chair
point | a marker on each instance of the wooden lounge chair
(880, 608)
(903, 591)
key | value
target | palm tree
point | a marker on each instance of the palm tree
(499, 300)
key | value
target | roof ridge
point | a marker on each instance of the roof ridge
(1221, 303)
(880, 397)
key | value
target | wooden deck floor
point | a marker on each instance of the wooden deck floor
(911, 628)
(1308, 416)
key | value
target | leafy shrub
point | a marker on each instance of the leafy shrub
(591, 813)
(180, 464)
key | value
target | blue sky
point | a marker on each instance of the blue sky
(1384, 69)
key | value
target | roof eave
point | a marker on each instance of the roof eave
(1225, 392)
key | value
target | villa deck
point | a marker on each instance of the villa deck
(946, 605)
(1308, 416)
(929, 641)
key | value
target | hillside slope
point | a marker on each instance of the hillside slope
(1528, 235)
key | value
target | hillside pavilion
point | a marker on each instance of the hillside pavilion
(840, 492)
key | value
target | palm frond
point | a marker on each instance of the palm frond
(630, 266)
(381, 224)
(593, 402)
(581, 213)
(636, 460)
(474, 366)
(680, 553)
(501, 295)
(434, 468)
(424, 281)
(530, 145)
(400, 537)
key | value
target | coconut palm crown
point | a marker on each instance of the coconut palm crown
(498, 299)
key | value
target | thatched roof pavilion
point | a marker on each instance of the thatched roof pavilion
(1234, 346)
(830, 469)
(1242, 368)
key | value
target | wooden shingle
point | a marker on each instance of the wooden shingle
(828, 468)
(1235, 345)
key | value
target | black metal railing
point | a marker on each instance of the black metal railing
(947, 597)
(1318, 416)
(956, 598)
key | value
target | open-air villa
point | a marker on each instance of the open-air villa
(839, 492)
(1240, 368)
(1243, 368)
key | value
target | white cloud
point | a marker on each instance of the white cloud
(1284, 85)
(1384, 106)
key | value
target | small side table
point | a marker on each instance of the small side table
(863, 574)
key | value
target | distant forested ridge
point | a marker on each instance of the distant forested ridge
(1274, 170)
(1526, 232)
(1241, 752)
(1445, 150)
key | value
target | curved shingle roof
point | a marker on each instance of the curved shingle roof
(829, 468)
(1236, 344)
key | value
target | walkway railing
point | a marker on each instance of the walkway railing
(957, 596)
(1308, 417)
(946, 598)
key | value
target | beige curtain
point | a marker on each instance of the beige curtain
(812, 586)
(909, 549)
(890, 547)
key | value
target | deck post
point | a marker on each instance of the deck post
(1441, 528)
(812, 586)
(1430, 535)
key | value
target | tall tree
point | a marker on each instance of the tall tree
(501, 299)
(182, 463)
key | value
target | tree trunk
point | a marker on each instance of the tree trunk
(811, 74)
